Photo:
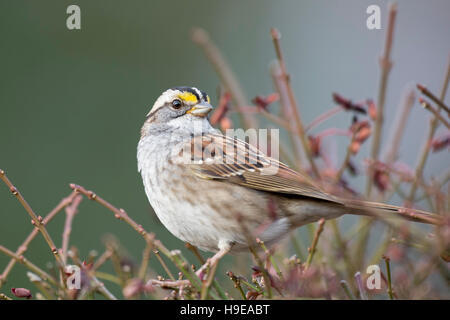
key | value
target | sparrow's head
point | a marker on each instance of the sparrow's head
(179, 102)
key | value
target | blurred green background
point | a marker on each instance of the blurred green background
(72, 101)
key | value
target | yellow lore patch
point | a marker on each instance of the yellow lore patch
(188, 97)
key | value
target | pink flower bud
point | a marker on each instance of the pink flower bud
(21, 293)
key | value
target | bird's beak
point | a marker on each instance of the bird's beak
(200, 110)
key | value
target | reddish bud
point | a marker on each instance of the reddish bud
(263, 102)
(87, 265)
(440, 143)
(13, 190)
(363, 134)
(348, 105)
(314, 145)
(372, 109)
(355, 146)
(21, 293)
(252, 295)
(381, 180)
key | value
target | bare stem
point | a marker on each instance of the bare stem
(346, 161)
(120, 214)
(312, 249)
(360, 285)
(195, 252)
(181, 263)
(169, 283)
(286, 110)
(237, 284)
(430, 95)
(145, 259)
(24, 246)
(102, 259)
(71, 211)
(32, 267)
(226, 75)
(427, 106)
(270, 256)
(209, 280)
(385, 66)
(293, 102)
(163, 264)
(389, 280)
(399, 124)
(37, 221)
(347, 290)
(323, 117)
(431, 131)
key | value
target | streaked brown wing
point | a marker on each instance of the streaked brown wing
(219, 157)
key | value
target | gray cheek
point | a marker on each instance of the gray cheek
(170, 114)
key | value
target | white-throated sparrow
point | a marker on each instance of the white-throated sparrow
(215, 191)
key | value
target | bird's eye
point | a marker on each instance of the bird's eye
(176, 104)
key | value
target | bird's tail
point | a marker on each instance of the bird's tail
(382, 210)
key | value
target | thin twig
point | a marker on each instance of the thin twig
(346, 161)
(169, 283)
(271, 258)
(37, 221)
(24, 246)
(195, 252)
(389, 280)
(97, 284)
(163, 264)
(200, 258)
(430, 95)
(360, 285)
(21, 259)
(145, 259)
(385, 66)
(312, 249)
(181, 263)
(427, 106)
(293, 103)
(286, 110)
(237, 284)
(207, 284)
(321, 118)
(119, 213)
(347, 290)
(431, 131)
(71, 211)
(399, 127)
(102, 259)
(100, 287)
(269, 116)
(226, 75)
